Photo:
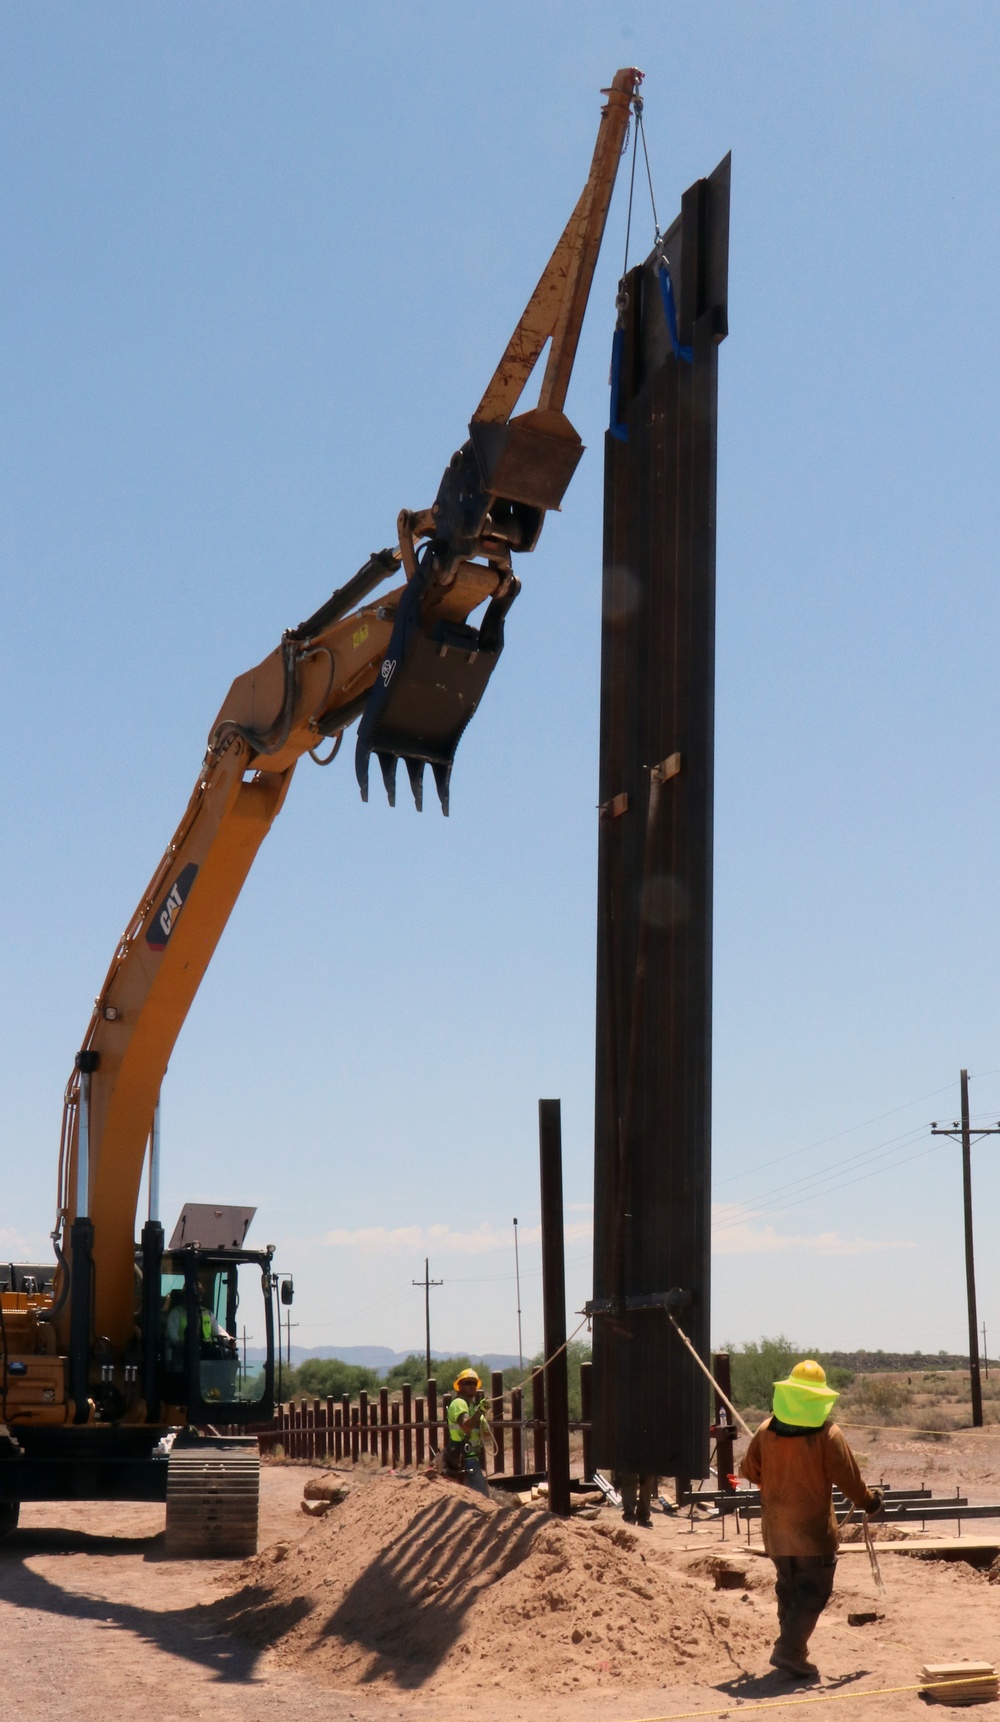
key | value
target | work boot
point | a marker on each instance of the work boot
(793, 1662)
(645, 1524)
(629, 1518)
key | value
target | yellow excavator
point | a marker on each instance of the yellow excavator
(120, 1378)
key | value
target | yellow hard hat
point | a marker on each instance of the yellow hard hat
(467, 1375)
(803, 1399)
(811, 1371)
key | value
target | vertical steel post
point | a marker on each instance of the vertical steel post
(517, 1430)
(496, 1417)
(408, 1424)
(383, 1418)
(554, 1303)
(538, 1418)
(725, 1429)
(433, 1437)
(652, 1185)
(586, 1404)
(970, 1263)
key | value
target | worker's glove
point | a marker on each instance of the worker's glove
(876, 1506)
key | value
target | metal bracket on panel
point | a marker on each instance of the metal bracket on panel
(667, 768)
(676, 1298)
(614, 808)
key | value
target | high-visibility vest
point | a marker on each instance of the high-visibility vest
(460, 1408)
(206, 1324)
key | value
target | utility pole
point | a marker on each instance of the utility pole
(517, 1276)
(962, 1132)
(427, 1282)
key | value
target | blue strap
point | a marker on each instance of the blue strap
(617, 427)
(670, 312)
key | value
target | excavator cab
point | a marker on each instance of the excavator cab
(213, 1305)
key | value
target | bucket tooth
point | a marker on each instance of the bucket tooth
(415, 770)
(442, 777)
(388, 762)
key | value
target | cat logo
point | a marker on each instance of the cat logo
(162, 924)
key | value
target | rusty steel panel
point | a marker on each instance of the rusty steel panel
(654, 974)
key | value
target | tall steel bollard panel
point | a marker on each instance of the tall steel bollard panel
(654, 971)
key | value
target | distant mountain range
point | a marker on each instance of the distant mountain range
(379, 1357)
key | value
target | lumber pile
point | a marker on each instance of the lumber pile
(959, 1682)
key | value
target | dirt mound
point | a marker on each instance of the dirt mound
(412, 1580)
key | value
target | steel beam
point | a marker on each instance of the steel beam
(653, 1088)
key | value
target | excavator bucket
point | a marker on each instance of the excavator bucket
(431, 681)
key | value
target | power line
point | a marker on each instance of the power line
(877, 1151)
(822, 1141)
(800, 1201)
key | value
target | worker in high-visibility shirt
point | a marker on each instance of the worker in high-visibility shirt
(466, 1414)
(176, 1324)
(796, 1456)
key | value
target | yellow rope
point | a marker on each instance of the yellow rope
(914, 1428)
(828, 1698)
(547, 1360)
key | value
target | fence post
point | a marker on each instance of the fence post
(432, 1417)
(418, 1418)
(373, 1428)
(337, 1419)
(517, 1432)
(363, 1419)
(538, 1417)
(355, 1433)
(383, 1417)
(394, 1416)
(407, 1420)
(496, 1414)
(554, 1303)
(330, 1424)
(586, 1401)
(725, 1429)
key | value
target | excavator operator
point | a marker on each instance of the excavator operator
(215, 1341)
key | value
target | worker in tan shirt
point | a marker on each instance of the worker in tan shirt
(796, 1456)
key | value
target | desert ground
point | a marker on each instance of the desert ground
(412, 1596)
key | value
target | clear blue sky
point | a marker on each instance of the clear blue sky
(258, 262)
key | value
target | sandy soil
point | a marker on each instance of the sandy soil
(95, 1621)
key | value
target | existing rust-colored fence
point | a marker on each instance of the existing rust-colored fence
(408, 1428)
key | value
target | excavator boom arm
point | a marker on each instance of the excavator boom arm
(407, 662)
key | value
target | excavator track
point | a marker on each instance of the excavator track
(213, 1496)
